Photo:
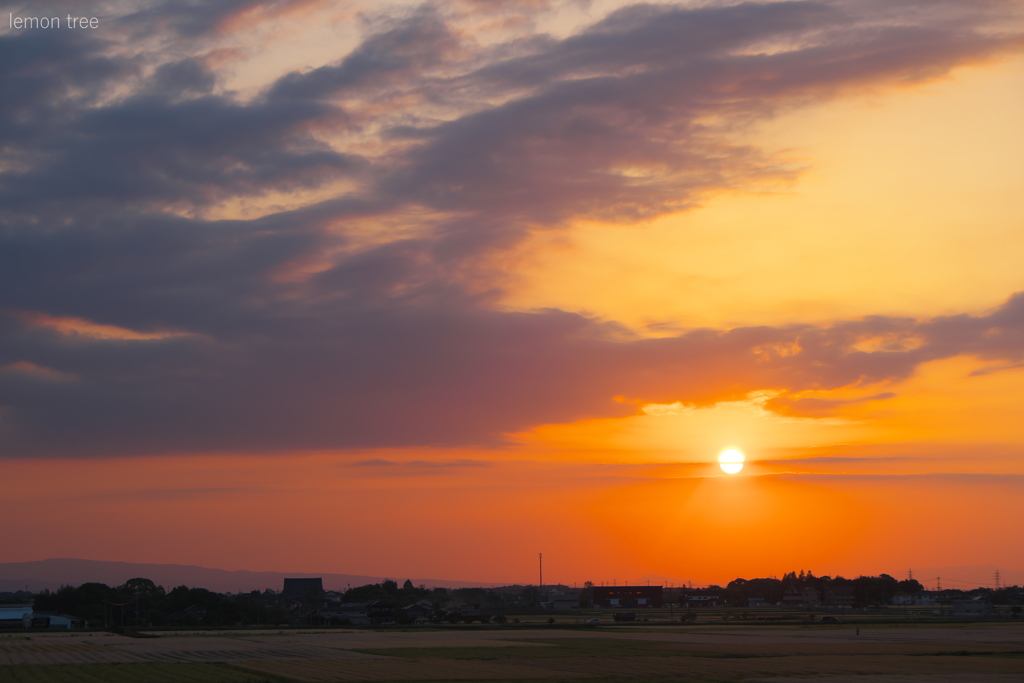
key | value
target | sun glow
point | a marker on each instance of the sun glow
(731, 461)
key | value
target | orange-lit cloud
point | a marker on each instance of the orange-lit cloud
(80, 327)
(31, 370)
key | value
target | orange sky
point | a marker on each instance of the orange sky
(428, 290)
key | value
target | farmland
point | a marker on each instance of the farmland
(987, 652)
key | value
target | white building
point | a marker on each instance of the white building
(920, 598)
(15, 616)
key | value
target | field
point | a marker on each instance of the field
(990, 653)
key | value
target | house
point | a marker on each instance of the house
(419, 613)
(977, 607)
(563, 601)
(691, 601)
(627, 596)
(804, 596)
(360, 613)
(56, 622)
(839, 596)
(355, 613)
(920, 598)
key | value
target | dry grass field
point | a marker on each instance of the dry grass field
(986, 653)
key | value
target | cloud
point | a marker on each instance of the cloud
(197, 19)
(29, 370)
(47, 78)
(398, 376)
(87, 329)
(833, 459)
(816, 407)
(400, 51)
(989, 481)
(149, 153)
(423, 464)
(393, 338)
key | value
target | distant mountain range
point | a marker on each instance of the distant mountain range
(52, 574)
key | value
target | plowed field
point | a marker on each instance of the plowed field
(988, 653)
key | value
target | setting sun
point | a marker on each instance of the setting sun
(731, 461)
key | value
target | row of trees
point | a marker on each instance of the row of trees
(389, 591)
(866, 590)
(506, 598)
(139, 602)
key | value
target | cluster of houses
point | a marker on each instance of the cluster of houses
(307, 601)
(951, 603)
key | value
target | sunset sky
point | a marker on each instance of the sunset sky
(426, 288)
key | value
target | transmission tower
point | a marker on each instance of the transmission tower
(938, 583)
(997, 579)
(910, 575)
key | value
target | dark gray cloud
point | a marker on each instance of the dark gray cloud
(294, 331)
(184, 77)
(398, 375)
(151, 153)
(46, 80)
(200, 18)
(397, 54)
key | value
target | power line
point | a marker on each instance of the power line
(976, 584)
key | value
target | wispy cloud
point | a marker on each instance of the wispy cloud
(421, 464)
